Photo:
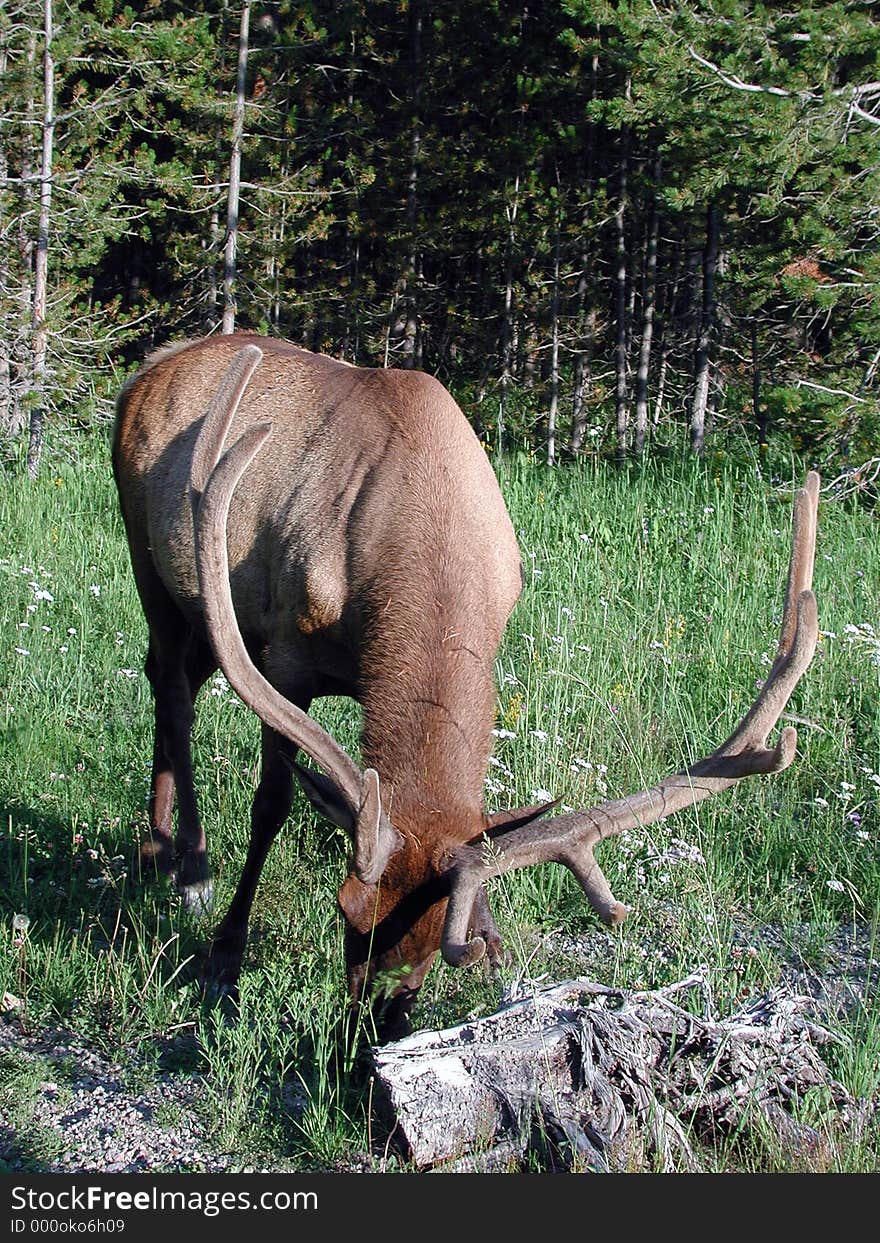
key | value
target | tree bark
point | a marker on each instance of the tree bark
(621, 404)
(702, 355)
(666, 320)
(507, 332)
(554, 352)
(232, 215)
(648, 304)
(6, 402)
(761, 420)
(411, 341)
(41, 265)
(586, 322)
(599, 1076)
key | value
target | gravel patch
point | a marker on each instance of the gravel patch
(84, 1116)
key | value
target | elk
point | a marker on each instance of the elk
(353, 540)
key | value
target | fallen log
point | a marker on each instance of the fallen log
(609, 1080)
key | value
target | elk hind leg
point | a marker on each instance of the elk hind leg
(177, 667)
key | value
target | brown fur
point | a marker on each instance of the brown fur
(371, 555)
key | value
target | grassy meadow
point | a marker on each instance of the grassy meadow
(650, 613)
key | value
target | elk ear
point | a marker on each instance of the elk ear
(516, 818)
(326, 797)
(357, 902)
(375, 838)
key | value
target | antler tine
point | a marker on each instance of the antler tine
(375, 838)
(803, 554)
(218, 417)
(571, 839)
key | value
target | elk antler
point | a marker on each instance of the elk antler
(571, 839)
(212, 485)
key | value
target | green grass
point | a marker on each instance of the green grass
(651, 608)
(29, 1145)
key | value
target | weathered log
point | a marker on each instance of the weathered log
(610, 1079)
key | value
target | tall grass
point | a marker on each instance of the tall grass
(650, 611)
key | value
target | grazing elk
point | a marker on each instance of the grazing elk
(365, 550)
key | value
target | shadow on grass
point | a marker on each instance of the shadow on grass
(86, 935)
(113, 961)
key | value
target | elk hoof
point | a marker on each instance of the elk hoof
(615, 914)
(218, 993)
(221, 970)
(197, 899)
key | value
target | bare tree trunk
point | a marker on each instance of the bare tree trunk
(411, 344)
(275, 265)
(25, 239)
(212, 244)
(21, 326)
(6, 402)
(586, 323)
(351, 334)
(701, 357)
(621, 400)
(647, 318)
(507, 332)
(554, 352)
(231, 253)
(41, 268)
(760, 413)
(666, 321)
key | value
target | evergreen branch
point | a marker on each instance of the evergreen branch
(868, 90)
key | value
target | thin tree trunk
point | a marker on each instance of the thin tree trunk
(701, 358)
(554, 352)
(621, 400)
(22, 346)
(579, 395)
(507, 328)
(354, 229)
(761, 420)
(275, 267)
(586, 323)
(6, 402)
(647, 317)
(411, 346)
(232, 214)
(212, 296)
(666, 321)
(41, 267)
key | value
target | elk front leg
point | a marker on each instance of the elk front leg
(271, 807)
